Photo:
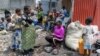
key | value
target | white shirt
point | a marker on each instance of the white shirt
(63, 11)
(88, 31)
(15, 17)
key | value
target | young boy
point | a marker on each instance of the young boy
(88, 36)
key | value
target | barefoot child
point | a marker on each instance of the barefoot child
(88, 36)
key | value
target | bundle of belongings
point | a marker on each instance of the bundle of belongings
(74, 35)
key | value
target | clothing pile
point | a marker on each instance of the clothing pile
(74, 33)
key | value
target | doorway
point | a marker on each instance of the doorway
(68, 6)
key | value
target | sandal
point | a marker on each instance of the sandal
(55, 52)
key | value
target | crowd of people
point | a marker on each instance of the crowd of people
(22, 23)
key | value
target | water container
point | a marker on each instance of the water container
(81, 46)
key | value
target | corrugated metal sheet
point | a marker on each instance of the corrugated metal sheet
(97, 14)
(83, 9)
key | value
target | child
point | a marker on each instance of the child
(9, 25)
(16, 16)
(87, 36)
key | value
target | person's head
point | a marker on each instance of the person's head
(18, 11)
(8, 20)
(27, 9)
(88, 21)
(59, 23)
(7, 11)
(40, 4)
(3, 19)
(63, 7)
(32, 14)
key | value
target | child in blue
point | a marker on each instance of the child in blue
(16, 40)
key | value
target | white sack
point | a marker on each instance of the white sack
(74, 33)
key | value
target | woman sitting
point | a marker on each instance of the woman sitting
(57, 36)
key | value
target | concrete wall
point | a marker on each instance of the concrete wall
(12, 4)
(59, 4)
(4, 4)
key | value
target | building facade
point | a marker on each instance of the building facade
(12, 4)
(49, 4)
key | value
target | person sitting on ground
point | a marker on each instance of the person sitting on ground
(88, 36)
(57, 36)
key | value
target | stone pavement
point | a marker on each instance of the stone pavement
(62, 52)
(40, 52)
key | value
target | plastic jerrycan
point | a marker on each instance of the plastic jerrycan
(81, 46)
